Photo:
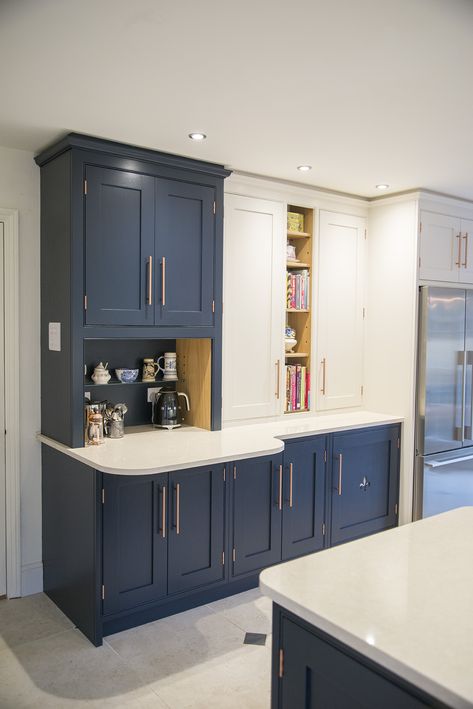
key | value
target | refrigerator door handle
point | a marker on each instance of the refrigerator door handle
(468, 430)
(440, 463)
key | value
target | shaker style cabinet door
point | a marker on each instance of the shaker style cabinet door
(134, 540)
(119, 247)
(185, 246)
(440, 247)
(253, 320)
(257, 512)
(196, 528)
(365, 482)
(304, 496)
(340, 310)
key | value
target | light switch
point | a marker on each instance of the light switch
(55, 336)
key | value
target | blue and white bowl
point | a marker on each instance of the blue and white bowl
(126, 376)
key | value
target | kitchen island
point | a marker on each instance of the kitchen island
(385, 621)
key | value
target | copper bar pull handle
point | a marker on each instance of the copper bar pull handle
(340, 471)
(278, 376)
(280, 489)
(324, 368)
(163, 281)
(290, 483)
(465, 262)
(150, 280)
(459, 259)
(164, 512)
(178, 508)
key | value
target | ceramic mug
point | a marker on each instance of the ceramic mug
(170, 366)
(150, 369)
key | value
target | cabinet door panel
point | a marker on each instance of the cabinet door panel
(466, 267)
(257, 492)
(134, 548)
(440, 247)
(253, 308)
(185, 238)
(119, 240)
(365, 482)
(196, 534)
(318, 675)
(304, 499)
(340, 310)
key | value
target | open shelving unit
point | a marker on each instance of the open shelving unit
(297, 380)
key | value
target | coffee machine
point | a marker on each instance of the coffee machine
(166, 409)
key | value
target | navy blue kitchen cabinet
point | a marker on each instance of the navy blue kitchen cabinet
(314, 671)
(303, 521)
(257, 502)
(135, 552)
(364, 484)
(185, 252)
(196, 528)
(119, 247)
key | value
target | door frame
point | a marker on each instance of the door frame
(9, 217)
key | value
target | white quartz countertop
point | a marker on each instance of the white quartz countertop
(403, 598)
(148, 450)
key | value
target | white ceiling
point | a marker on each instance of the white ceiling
(366, 91)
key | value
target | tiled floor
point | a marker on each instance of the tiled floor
(195, 659)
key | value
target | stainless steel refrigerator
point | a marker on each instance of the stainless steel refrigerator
(443, 477)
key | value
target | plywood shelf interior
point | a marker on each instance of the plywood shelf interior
(300, 320)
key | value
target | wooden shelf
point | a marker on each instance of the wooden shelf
(298, 411)
(298, 235)
(294, 310)
(297, 264)
(116, 382)
(293, 355)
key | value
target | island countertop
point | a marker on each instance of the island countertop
(403, 598)
(148, 451)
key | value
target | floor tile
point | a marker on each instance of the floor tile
(250, 611)
(66, 670)
(29, 618)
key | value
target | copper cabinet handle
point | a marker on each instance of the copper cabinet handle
(280, 489)
(458, 262)
(164, 511)
(465, 263)
(150, 280)
(178, 508)
(278, 376)
(163, 280)
(340, 471)
(290, 483)
(324, 367)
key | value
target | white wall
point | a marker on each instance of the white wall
(19, 189)
(391, 324)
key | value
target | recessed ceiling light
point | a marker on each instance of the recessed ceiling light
(382, 187)
(304, 168)
(197, 136)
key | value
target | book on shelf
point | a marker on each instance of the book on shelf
(297, 388)
(298, 291)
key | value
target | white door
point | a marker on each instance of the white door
(466, 264)
(340, 311)
(440, 247)
(3, 574)
(253, 307)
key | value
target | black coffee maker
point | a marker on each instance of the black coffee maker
(166, 409)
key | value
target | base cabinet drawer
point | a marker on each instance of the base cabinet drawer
(313, 673)
(364, 482)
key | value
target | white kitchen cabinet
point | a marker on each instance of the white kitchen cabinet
(446, 249)
(253, 308)
(340, 310)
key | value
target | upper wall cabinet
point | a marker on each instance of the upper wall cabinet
(253, 308)
(150, 246)
(446, 252)
(340, 310)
